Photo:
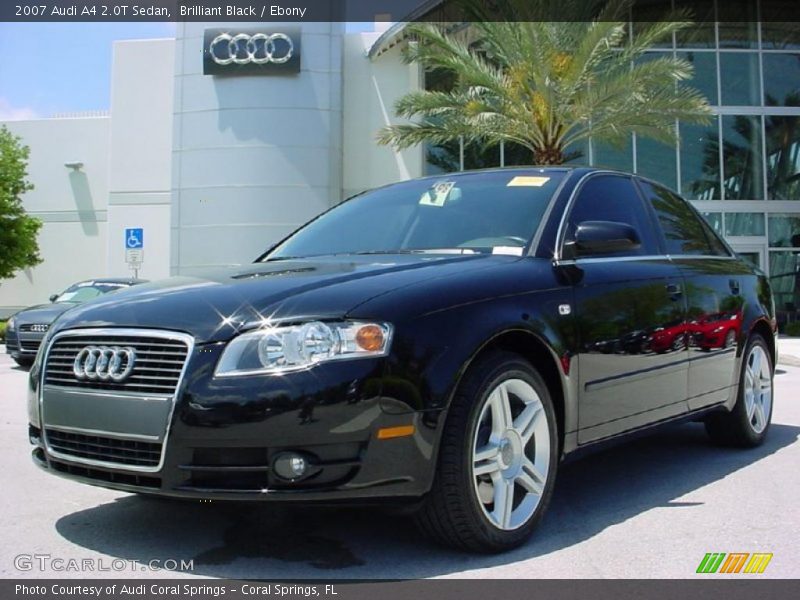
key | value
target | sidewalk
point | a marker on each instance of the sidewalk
(789, 351)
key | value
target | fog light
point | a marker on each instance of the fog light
(290, 465)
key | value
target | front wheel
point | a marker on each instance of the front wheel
(497, 459)
(747, 424)
(25, 363)
(730, 339)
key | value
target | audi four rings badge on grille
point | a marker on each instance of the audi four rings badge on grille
(104, 363)
(251, 51)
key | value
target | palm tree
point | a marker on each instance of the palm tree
(547, 86)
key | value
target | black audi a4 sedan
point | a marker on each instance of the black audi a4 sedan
(441, 344)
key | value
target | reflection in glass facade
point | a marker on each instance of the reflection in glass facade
(612, 157)
(785, 279)
(783, 157)
(784, 230)
(744, 224)
(705, 73)
(780, 35)
(657, 161)
(714, 219)
(742, 170)
(704, 32)
(740, 79)
(742, 158)
(781, 79)
(741, 30)
(700, 172)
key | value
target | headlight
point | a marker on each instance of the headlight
(281, 349)
(11, 324)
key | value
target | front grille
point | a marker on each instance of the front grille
(30, 345)
(37, 327)
(157, 369)
(106, 449)
(141, 481)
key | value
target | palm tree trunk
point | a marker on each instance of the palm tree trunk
(548, 155)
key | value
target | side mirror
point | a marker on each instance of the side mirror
(54, 297)
(604, 237)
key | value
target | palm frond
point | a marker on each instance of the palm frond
(544, 84)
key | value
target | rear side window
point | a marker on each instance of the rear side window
(685, 231)
(613, 198)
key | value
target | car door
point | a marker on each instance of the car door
(714, 282)
(624, 301)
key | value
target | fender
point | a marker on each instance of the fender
(432, 353)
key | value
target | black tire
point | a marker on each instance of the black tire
(451, 513)
(730, 339)
(25, 363)
(735, 428)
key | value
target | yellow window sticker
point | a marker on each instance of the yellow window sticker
(528, 181)
(437, 195)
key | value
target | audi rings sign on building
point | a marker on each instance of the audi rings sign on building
(251, 51)
(104, 363)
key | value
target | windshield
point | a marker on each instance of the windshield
(81, 292)
(493, 211)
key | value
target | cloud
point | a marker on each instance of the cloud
(15, 113)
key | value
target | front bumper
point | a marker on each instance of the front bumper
(23, 344)
(223, 435)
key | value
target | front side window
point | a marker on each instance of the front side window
(613, 198)
(685, 232)
(470, 212)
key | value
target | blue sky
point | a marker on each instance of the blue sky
(48, 68)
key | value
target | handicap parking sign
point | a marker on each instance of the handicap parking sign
(134, 238)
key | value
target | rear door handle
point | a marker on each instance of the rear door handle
(674, 291)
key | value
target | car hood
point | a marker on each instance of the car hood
(218, 304)
(43, 313)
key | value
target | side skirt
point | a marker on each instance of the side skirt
(632, 434)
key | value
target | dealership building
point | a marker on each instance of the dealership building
(204, 161)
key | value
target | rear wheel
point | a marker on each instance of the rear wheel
(747, 424)
(497, 460)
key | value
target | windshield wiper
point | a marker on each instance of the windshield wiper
(421, 251)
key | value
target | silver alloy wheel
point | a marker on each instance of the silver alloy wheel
(511, 454)
(757, 388)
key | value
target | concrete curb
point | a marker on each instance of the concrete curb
(789, 359)
(789, 351)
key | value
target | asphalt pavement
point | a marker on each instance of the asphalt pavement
(651, 508)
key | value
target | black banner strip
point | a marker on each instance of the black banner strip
(779, 11)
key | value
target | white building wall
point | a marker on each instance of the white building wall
(72, 205)
(140, 162)
(254, 156)
(214, 169)
(371, 89)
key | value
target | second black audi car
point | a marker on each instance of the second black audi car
(442, 342)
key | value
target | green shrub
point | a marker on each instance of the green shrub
(792, 329)
(2, 331)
